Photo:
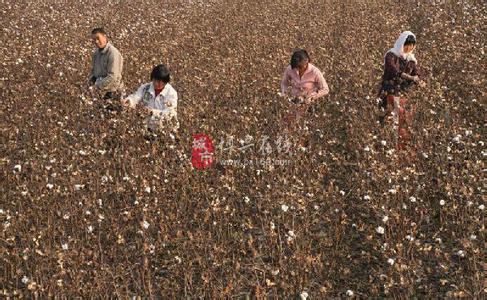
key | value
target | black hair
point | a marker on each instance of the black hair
(160, 72)
(410, 40)
(297, 57)
(98, 30)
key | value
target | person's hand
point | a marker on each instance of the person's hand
(416, 79)
(147, 110)
(125, 102)
(309, 100)
(91, 81)
(295, 100)
(422, 83)
(283, 95)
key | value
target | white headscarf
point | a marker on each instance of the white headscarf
(398, 49)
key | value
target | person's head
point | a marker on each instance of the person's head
(99, 37)
(160, 76)
(409, 44)
(300, 60)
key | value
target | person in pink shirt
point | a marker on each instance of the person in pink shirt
(303, 83)
(306, 82)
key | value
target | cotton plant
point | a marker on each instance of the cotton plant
(60, 138)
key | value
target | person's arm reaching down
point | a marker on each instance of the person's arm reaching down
(322, 87)
(91, 78)
(133, 99)
(417, 72)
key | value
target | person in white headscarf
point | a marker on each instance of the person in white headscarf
(400, 68)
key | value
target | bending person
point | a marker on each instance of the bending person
(305, 80)
(158, 98)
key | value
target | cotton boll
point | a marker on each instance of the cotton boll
(380, 230)
(78, 187)
(461, 253)
(145, 224)
(303, 295)
(272, 225)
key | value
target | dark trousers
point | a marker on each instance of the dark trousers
(112, 96)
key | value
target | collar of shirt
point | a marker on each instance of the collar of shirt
(105, 50)
(164, 91)
(309, 69)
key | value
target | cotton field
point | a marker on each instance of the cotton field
(94, 205)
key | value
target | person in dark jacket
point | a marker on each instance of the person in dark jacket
(401, 69)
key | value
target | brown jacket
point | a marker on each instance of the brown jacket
(394, 66)
(107, 69)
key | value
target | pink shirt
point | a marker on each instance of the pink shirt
(311, 84)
